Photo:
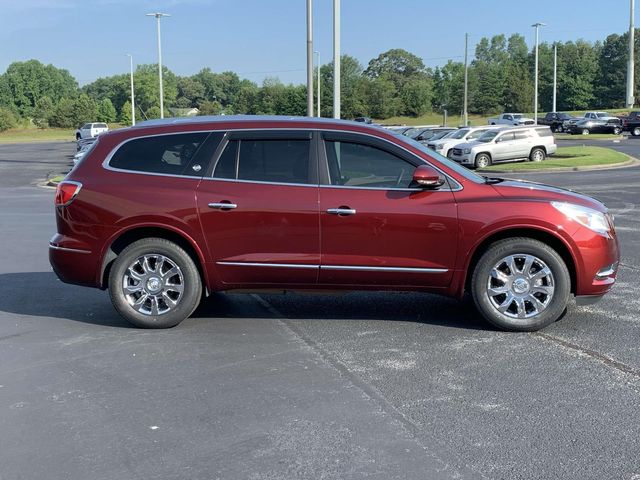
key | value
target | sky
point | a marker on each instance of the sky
(267, 38)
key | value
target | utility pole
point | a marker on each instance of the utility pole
(309, 58)
(631, 65)
(465, 113)
(318, 82)
(535, 88)
(555, 75)
(158, 17)
(336, 58)
(133, 98)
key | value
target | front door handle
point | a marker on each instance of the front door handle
(223, 205)
(342, 211)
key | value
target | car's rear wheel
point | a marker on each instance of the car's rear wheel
(617, 130)
(483, 160)
(585, 131)
(559, 128)
(521, 284)
(154, 283)
(636, 132)
(537, 155)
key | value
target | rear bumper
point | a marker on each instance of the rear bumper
(73, 262)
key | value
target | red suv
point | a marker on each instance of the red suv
(169, 210)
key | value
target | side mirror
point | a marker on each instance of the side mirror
(425, 176)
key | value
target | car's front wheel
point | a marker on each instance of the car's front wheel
(154, 283)
(617, 130)
(585, 131)
(521, 284)
(636, 132)
(483, 160)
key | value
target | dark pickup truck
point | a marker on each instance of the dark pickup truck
(631, 122)
(555, 121)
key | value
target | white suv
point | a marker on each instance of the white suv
(506, 145)
(466, 134)
(90, 130)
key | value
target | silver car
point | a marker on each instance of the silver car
(506, 145)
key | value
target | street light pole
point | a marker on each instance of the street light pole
(318, 81)
(133, 98)
(465, 113)
(536, 25)
(309, 58)
(555, 76)
(631, 65)
(158, 17)
(336, 58)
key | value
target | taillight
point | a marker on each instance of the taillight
(66, 191)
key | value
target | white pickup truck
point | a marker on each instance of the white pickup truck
(516, 119)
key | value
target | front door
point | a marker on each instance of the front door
(259, 210)
(503, 148)
(375, 229)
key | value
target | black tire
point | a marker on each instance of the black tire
(635, 132)
(585, 131)
(78, 137)
(559, 129)
(537, 154)
(521, 246)
(483, 160)
(192, 283)
(617, 130)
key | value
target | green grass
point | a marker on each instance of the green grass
(56, 179)
(568, 157)
(30, 133)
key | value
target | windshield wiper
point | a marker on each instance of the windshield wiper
(492, 180)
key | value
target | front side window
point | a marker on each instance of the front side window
(505, 137)
(359, 165)
(164, 154)
(274, 161)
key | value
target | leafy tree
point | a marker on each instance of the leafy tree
(7, 119)
(42, 112)
(125, 113)
(381, 98)
(190, 92)
(396, 65)
(63, 115)
(246, 98)
(207, 107)
(416, 95)
(106, 111)
(84, 110)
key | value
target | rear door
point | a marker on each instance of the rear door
(376, 230)
(259, 209)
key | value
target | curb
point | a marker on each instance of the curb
(631, 162)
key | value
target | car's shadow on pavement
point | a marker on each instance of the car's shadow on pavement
(41, 294)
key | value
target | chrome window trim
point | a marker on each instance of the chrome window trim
(457, 186)
(358, 268)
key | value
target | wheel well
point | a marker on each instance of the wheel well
(130, 236)
(539, 235)
(539, 146)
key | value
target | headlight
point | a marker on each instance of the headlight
(467, 151)
(585, 216)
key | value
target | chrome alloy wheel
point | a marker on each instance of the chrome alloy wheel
(153, 284)
(520, 286)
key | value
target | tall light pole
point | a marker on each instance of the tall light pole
(158, 17)
(309, 58)
(631, 65)
(133, 98)
(336, 58)
(555, 75)
(465, 114)
(318, 81)
(536, 25)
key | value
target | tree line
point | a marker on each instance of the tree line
(500, 78)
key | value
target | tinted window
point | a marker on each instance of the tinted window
(168, 154)
(476, 134)
(278, 161)
(359, 165)
(544, 132)
(100, 125)
(521, 135)
(505, 137)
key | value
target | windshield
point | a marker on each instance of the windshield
(458, 134)
(464, 171)
(411, 132)
(439, 135)
(488, 136)
(517, 115)
(564, 116)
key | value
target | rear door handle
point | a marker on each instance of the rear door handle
(343, 211)
(223, 205)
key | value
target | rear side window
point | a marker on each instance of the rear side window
(276, 161)
(544, 132)
(100, 125)
(164, 154)
(522, 134)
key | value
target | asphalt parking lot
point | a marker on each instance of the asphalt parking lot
(361, 385)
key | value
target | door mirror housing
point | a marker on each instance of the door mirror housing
(425, 176)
